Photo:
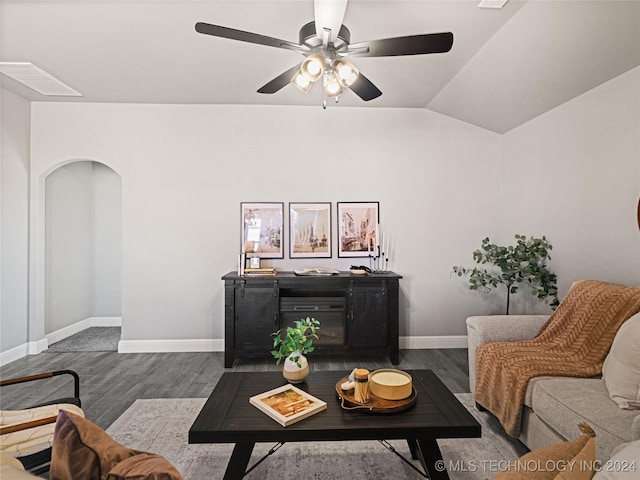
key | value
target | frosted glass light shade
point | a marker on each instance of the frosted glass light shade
(332, 87)
(312, 67)
(301, 82)
(346, 72)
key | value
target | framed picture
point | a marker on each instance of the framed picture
(310, 230)
(357, 228)
(262, 225)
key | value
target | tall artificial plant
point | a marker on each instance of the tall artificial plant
(523, 263)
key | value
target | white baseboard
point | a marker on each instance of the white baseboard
(74, 328)
(163, 346)
(16, 353)
(444, 341)
(105, 321)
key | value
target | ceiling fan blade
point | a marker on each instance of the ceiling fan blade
(365, 89)
(249, 37)
(280, 81)
(410, 45)
(329, 14)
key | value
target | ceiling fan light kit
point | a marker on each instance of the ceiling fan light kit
(302, 82)
(312, 67)
(332, 87)
(347, 72)
(326, 59)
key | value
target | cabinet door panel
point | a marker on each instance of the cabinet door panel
(369, 324)
(256, 318)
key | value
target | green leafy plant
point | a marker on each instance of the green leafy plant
(297, 338)
(524, 262)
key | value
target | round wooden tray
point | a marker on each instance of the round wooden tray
(375, 404)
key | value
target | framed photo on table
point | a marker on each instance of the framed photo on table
(310, 230)
(262, 225)
(358, 228)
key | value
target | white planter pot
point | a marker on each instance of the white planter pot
(294, 373)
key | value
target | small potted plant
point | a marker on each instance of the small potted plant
(293, 345)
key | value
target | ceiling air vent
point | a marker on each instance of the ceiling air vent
(37, 79)
(492, 3)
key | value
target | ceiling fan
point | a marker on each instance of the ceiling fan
(326, 43)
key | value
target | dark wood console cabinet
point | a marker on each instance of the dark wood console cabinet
(357, 313)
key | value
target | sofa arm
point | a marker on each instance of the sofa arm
(498, 328)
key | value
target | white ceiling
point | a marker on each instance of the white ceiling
(506, 66)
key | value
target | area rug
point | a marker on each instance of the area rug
(161, 426)
(92, 339)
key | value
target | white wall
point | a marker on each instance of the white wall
(14, 225)
(69, 246)
(107, 241)
(185, 170)
(574, 176)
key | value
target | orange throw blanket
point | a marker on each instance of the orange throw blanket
(573, 343)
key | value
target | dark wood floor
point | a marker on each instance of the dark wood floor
(110, 382)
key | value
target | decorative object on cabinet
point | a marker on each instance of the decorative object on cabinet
(310, 230)
(316, 272)
(262, 226)
(358, 229)
(526, 262)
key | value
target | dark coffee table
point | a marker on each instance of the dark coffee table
(228, 417)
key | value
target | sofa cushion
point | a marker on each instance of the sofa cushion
(569, 460)
(564, 402)
(82, 450)
(12, 469)
(624, 465)
(621, 369)
(145, 465)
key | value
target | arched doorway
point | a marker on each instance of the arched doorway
(82, 253)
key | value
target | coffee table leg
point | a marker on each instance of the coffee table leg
(431, 459)
(239, 460)
(413, 448)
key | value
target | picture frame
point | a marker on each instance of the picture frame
(310, 230)
(287, 404)
(358, 224)
(262, 225)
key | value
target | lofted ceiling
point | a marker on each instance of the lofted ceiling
(506, 66)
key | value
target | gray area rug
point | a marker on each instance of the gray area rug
(92, 339)
(161, 426)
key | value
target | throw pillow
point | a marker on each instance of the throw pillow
(82, 450)
(571, 460)
(624, 465)
(621, 369)
(145, 465)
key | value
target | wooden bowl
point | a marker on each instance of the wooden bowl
(390, 384)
